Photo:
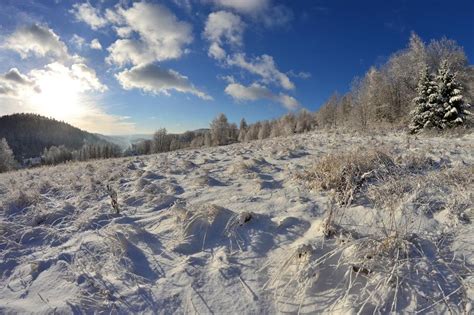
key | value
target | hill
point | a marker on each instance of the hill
(248, 228)
(29, 134)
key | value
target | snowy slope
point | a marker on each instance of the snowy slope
(237, 230)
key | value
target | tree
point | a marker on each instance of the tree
(7, 161)
(220, 130)
(425, 103)
(161, 142)
(326, 116)
(233, 133)
(242, 130)
(452, 109)
(207, 139)
(264, 131)
(303, 121)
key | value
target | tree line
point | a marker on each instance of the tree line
(385, 95)
(222, 132)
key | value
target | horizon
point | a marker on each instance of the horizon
(128, 69)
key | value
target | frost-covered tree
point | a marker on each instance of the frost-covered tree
(7, 161)
(265, 130)
(207, 139)
(304, 121)
(425, 104)
(252, 133)
(452, 111)
(161, 142)
(220, 130)
(242, 130)
(55, 155)
(233, 133)
(326, 115)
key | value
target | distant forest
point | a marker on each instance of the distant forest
(29, 134)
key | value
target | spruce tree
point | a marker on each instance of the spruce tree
(453, 109)
(425, 103)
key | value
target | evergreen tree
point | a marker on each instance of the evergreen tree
(425, 103)
(7, 161)
(452, 111)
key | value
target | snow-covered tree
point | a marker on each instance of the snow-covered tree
(252, 132)
(220, 130)
(161, 142)
(207, 139)
(7, 161)
(233, 133)
(242, 130)
(265, 130)
(453, 109)
(425, 104)
(303, 121)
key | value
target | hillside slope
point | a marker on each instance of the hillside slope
(29, 134)
(245, 229)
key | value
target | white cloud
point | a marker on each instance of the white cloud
(78, 41)
(85, 12)
(223, 28)
(161, 36)
(95, 44)
(153, 79)
(257, 91)
(300, 75)
(264, 66)
(243, 6)
(12, 81)
(15, 76)
(216, 51)
(36, 40)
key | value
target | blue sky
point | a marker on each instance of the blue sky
(120, 67)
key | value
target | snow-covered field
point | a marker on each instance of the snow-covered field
(245, 229)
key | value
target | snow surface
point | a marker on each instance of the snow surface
(223, 230)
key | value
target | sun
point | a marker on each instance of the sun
(58, 95)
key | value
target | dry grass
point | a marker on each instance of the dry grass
(428, 193)
(346, 174)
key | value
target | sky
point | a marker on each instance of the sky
(132, 67)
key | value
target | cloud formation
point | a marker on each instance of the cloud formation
(153, 79)
(36, 40)
(257, 91)
(264, 66)
(86, 13)
(148, 33)
(12, 81)
(223, 28)
(95, 44)
(224, 31)
(243, 6)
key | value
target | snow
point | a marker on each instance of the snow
(235, 230)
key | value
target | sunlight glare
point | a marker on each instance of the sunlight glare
(58, 96)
